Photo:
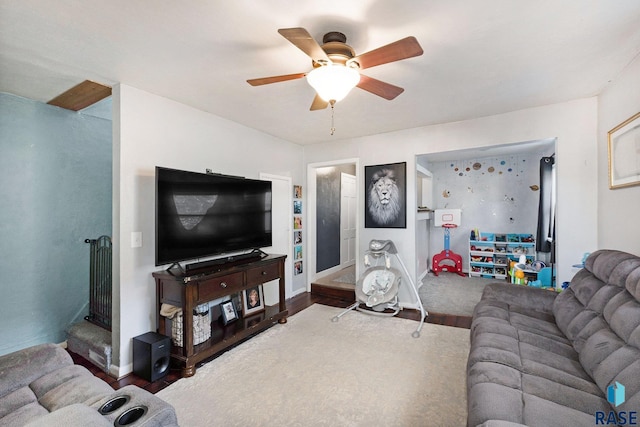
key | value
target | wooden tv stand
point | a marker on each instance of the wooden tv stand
(188, 291)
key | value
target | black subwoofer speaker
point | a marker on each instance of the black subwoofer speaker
(151, 353)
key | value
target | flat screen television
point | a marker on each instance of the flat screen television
(201, 214)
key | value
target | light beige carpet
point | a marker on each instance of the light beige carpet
(449, 293)
(363, 370)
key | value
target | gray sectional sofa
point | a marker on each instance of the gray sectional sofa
(41, 386)
(539, 358)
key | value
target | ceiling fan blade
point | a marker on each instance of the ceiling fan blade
(401, 49)
(275, 79)
(303, 41)
(380, 88)
(318, 103)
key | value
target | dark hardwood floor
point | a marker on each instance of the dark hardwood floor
(294, 305)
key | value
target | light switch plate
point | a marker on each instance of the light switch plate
(136, 239)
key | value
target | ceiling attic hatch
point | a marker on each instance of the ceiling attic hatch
(81, 96)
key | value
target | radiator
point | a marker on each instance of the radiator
(100, 297)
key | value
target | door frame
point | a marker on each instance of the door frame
(288, 265)
(311, 237)
(343, 209)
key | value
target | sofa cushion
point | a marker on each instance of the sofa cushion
(80, 388)
(24, 414)
(15, 400)
(21, 368)
(49, 382)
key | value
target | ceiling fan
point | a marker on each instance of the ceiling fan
(336, 67)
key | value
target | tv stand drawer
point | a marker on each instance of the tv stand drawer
(262, 274)
(220, 286)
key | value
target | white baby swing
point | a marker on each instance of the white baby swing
(378, 286)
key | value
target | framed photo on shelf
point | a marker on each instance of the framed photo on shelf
(229, 313)
(252, 300)
(624, 146)
(386, 196)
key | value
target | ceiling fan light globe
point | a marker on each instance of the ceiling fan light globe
(334, 81)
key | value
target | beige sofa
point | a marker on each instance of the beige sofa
(41, 386)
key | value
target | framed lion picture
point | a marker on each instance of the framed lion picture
(386, 196)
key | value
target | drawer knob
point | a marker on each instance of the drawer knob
(223, 284)
(264, 273)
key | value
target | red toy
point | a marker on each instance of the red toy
(447, 260)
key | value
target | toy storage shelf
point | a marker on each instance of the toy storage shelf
(491, 253)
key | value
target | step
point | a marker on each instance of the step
(345, 293)
(91, 342)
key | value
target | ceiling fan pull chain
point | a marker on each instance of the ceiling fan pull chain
(333, 129)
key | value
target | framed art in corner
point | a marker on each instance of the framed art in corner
(252, 300)
(229, 313)
(385, 198)
(624, 153)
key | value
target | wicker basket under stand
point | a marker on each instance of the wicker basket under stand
(201, 326)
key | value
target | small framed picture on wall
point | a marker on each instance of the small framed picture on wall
(297, 268)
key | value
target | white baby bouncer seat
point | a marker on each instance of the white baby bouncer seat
(378, 286)
(378, 289)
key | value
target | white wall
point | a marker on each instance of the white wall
(153, 131)
(618, 226)
(574, 124)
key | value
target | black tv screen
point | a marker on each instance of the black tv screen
(199, 215)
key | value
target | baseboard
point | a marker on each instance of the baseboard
(422, 276)
(115, 371)
(298, 292)
(409, 305)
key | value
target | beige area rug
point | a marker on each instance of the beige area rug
(363, 370)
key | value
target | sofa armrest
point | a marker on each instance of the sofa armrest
(157, 411)
(76, 415)
(523, 296)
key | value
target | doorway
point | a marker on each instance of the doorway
(325, 218)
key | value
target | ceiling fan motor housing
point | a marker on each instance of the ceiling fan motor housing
(336, 48)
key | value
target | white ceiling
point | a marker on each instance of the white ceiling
(480, 57)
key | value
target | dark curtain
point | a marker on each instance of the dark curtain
(545, 238)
